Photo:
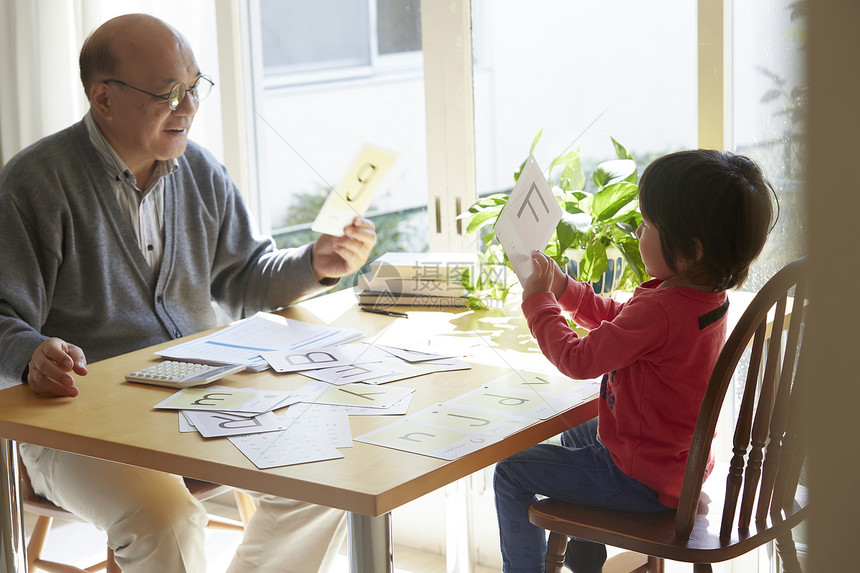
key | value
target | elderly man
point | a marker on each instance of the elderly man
(118, 233)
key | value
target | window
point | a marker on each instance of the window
(336, 76)
(581, 72)
(769, 97)
(308, 42)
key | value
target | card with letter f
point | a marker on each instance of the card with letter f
(528, 219)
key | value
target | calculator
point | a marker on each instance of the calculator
(182, 374)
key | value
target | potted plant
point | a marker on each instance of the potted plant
(596, 234)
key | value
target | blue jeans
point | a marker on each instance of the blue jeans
(580, 471)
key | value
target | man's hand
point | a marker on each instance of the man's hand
(547, 276)
(335, 257)
(48, 372)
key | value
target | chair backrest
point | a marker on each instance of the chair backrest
(767, 423)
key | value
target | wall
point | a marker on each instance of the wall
(834, 124)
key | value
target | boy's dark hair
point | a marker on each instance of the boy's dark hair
(715, 201)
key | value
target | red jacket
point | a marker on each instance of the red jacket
(656, 352)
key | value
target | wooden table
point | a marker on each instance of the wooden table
(114, 420)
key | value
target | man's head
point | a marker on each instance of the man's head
(144, 52)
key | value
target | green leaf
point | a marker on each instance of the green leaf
(466, 279)
(620, 151)
(483, 217)
(570, 201)
(611, 199)
(612, 171)
(534, 142)
(572, 176)
(488, 202)
(571, 230)
(593, 262)
(630, 251)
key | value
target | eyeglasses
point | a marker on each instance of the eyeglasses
(198, 92)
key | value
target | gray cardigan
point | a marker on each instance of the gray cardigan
(70, 266)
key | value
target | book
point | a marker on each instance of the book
(414, 286)
(388, 299)
(423, 266)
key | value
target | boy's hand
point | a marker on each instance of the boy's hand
(547, 276)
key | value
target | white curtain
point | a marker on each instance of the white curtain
(39, 88)
(40, 40)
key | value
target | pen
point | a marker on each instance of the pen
(383, 311)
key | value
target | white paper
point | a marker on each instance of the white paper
(495, 424)
(275, 449)
(352, 373)
(244, 341)
(407, 370)
(399, 408)
(363, 395)
(517, 402)
(436, 441)
(528, 219)
(224, 399)
(220, 424)
(323, 420)
(416, 355)
(316, 358)
(351, 197)
(484, 416)
(311, 434)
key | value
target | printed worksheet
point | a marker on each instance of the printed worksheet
(528, 219)
(310, 434)
(398, 408)
(243, 341)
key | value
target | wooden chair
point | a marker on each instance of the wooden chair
(763, 482)
(45, 512)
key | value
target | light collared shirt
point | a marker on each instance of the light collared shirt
(143, 209)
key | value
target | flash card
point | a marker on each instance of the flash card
(351, 197)
(528, 219)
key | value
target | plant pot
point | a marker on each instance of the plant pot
(609, 280)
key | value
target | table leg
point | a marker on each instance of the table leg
(370, 544)
(458, 518)
(14, 557)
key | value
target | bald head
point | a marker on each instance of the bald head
(124, 41)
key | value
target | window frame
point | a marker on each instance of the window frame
(377, 63)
